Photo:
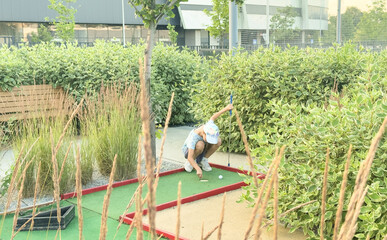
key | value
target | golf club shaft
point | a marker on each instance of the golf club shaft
(229, 133)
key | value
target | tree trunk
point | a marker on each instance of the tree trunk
(147, 72)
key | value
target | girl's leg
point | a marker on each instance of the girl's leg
(211, 148)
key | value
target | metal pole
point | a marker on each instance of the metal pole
(233, 27)
(321, 10)
(338, 29)
(267, 22)
(123, 23)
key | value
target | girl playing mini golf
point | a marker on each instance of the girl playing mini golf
(201, 143)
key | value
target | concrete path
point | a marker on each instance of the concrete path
(6, 160)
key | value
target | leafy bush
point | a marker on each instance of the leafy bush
(83, 71)
(174, 71)
(308, 130)
(256, 79)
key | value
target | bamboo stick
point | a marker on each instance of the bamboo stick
(163, 140)
(139, 224)
(260, 194)
(78, 182)
(128, 206)
(103, 230)
(137, 193)
(25, 224)
(35, 194)
(162, 148)
(275, 206)
(130, 230)
(178, 211)
(222, 217)
(342, 194)
(353, 225)
(202, 234)
(20, 196)
(55, 179)
(289, 211)
(64, 162)
(324, 195)
(262, 209)
(208, 235)
(361, 181)
(249, 158)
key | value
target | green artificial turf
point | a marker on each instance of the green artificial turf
(166, 190)
(92, 205)
(91, 228)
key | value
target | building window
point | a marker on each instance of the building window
(163, 36)
(318, 13)
(80, 32)
(11, 30)
(99, 31)
(29, 29)
(115, 33)
(204, 39)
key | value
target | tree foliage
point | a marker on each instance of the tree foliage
(360, 26)
(43, 35)
(282, 24)
(151, 12)
(219, 18)
(349, 23)
(65, 21)
(373, 24)
(172, 33)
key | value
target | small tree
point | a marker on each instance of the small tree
(219, 15)
(282, 24)
(220, 19)
(172, 33)
(151, 13)
(43, 35)
(65, 22)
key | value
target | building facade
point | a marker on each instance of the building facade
(254, 20)
(103, 19)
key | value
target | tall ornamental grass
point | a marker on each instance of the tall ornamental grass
(40, 134)
(111, 125)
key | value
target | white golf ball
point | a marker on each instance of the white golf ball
(220, 176)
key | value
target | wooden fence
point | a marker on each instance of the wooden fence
(33, 101)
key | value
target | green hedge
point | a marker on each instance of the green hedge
(308, 130)
(256, 79)
(83, 70)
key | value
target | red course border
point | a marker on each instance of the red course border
(116, 184)
(129, 218)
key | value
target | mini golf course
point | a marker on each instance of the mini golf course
(92, 202)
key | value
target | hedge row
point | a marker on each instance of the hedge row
(257, 79)
(308, 130)
(84, 70)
